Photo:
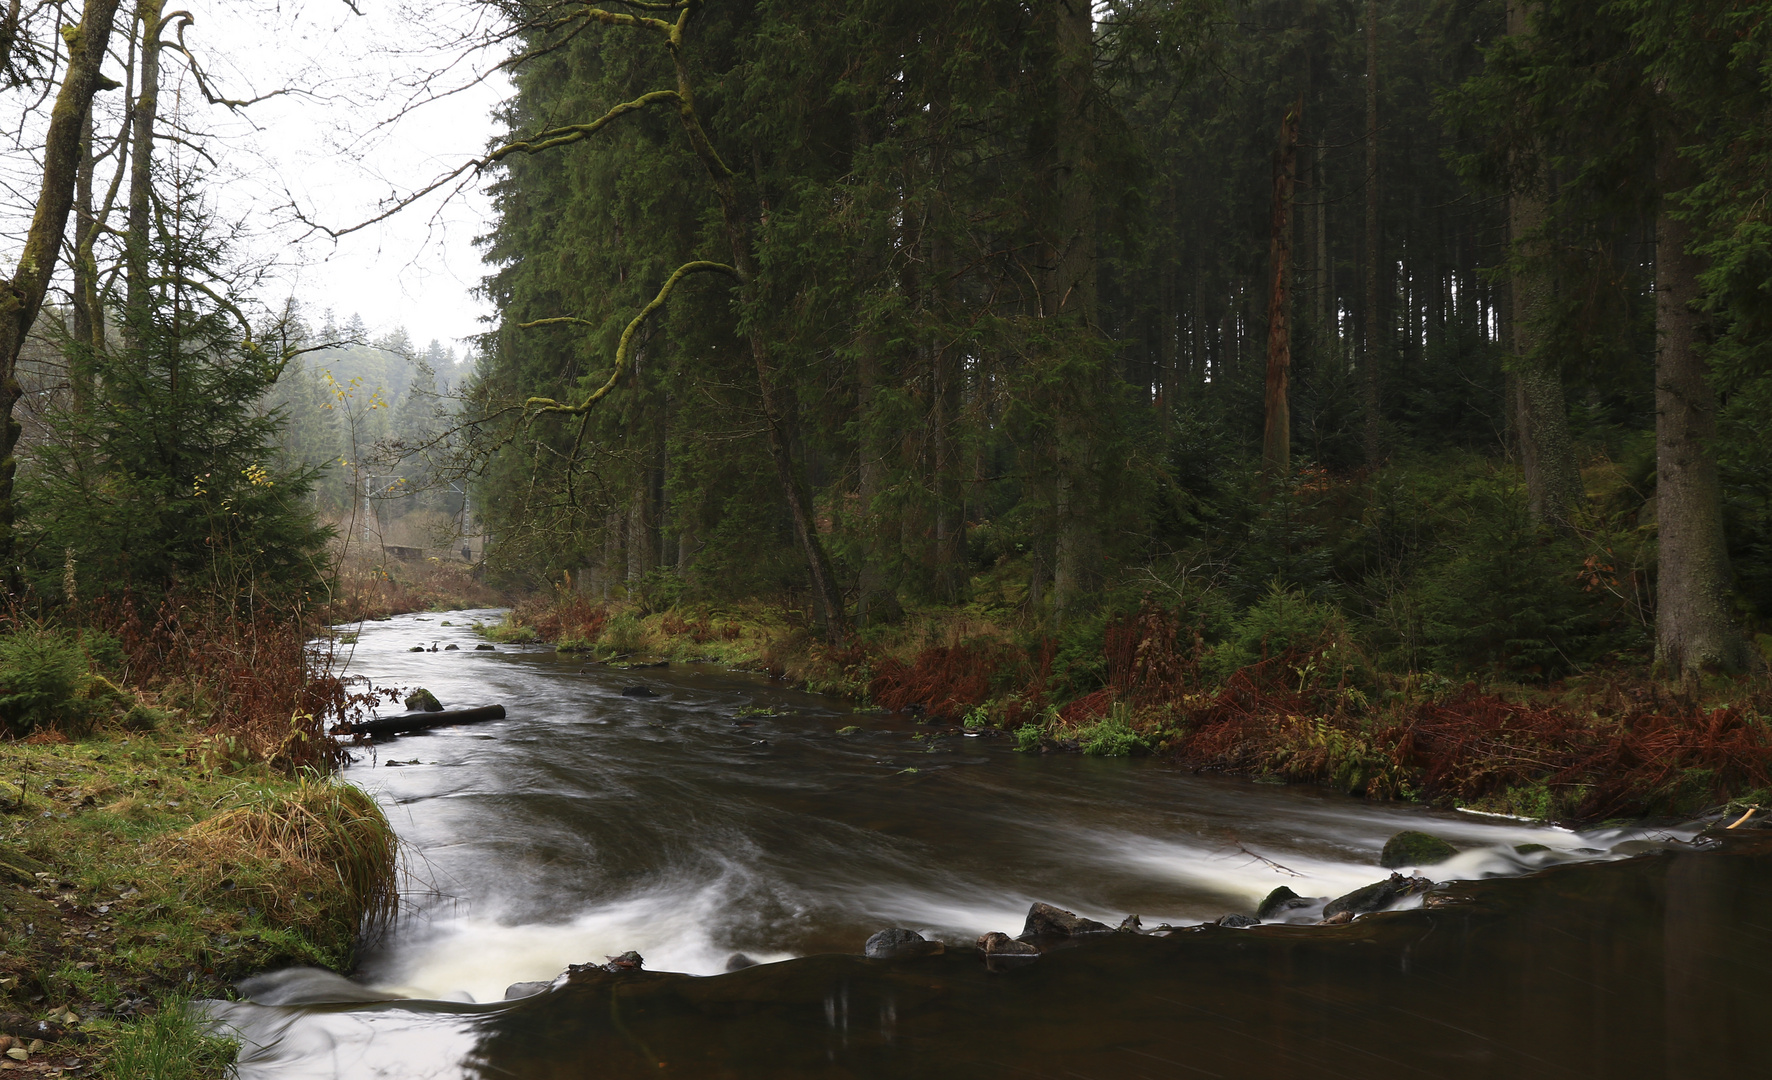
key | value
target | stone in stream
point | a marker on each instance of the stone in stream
(422, 700)
(1131, 924)
(1238, 922)
(996, 944)
(451, 647)
(1411, 848)
(899, 942)
(638, 691)
(1044, 920)
(739, 961)
(1374, 897)
(525, 989)
(416, 648)
(1529, 849)
(1280, 900)
(483, 647)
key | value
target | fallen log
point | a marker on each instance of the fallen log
(419, 721)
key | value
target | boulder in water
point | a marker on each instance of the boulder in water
(483, 647)
(451, 647)
(638, 691)
(1238, 922)
(1375, 897)
(525, 989)
(899, 942)
(996, 944)
(416, 648)
(1131, 924)
(1411, 848)
(739, 961)
(1280, 900)
(628, 961)
(422, 700)
(1044, 920)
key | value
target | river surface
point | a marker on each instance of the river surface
(729, 815)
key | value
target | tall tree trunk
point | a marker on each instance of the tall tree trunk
(1547, 455)
(1276, 441)
(22, 296)
(141, 162)
(1068, 303)
(1371, 338)
(1325, 277)
(88, 316)
(1693, 630)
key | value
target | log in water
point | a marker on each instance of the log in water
(420, 721)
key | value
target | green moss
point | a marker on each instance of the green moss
(1411, 848)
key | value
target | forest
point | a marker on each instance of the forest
(1369, 395)
(1446, 317)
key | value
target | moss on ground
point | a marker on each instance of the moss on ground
(136, 872)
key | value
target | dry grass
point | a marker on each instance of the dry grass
(321, 840)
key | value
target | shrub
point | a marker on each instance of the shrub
(42, 674)
(623, 634)
(1028, 737)
(1280, 622)
(1111, 736)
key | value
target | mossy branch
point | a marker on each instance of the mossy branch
(536, 406)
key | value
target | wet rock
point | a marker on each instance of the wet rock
(422, 700)
(416, 648)
(1279, 901)
(1340, 918)
(628, 961)
(1529, 849)
(483, 647)
(1411, 848)
(1238, 922)
(638, 691)
(451, 647)
(739, 961)
(1375, 897)
(525, 989)
(1044, 920)
(995, 944)
(1131, 924)
(899, 942)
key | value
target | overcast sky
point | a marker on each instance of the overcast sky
(351, 138)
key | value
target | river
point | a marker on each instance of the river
(730, 815)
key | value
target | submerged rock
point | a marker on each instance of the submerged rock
(1411, 848)
(996, 944)
(1280, 900)
(1238, 922)
(638, 691)
(899, 942)
(1044, 920)
(525, 989)
(483, 647)
(1375, 897)
(422, 700)
(416, 648)
(451, 647)
(1529, 849)
(739, 961)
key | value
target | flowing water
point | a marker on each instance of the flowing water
(728, 815)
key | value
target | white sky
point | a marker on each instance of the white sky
(351, 140)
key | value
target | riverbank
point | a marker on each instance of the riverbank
(138, 871)
(1284, 693)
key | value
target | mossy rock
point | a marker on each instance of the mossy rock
(1411, 848)
(1529, 849)
(422, 700)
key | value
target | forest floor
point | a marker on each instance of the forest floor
(1610, 743)
(366, 587)
(138, 871)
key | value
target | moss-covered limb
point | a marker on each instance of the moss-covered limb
(139, 868)
(571, 133)
(625, 348)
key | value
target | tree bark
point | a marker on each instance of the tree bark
(1547, 455)
(1693, 628)
(22, 297)
(1068, 302)
(88, 328)
(141, 163)
(1370, 339)
(1276, 442)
